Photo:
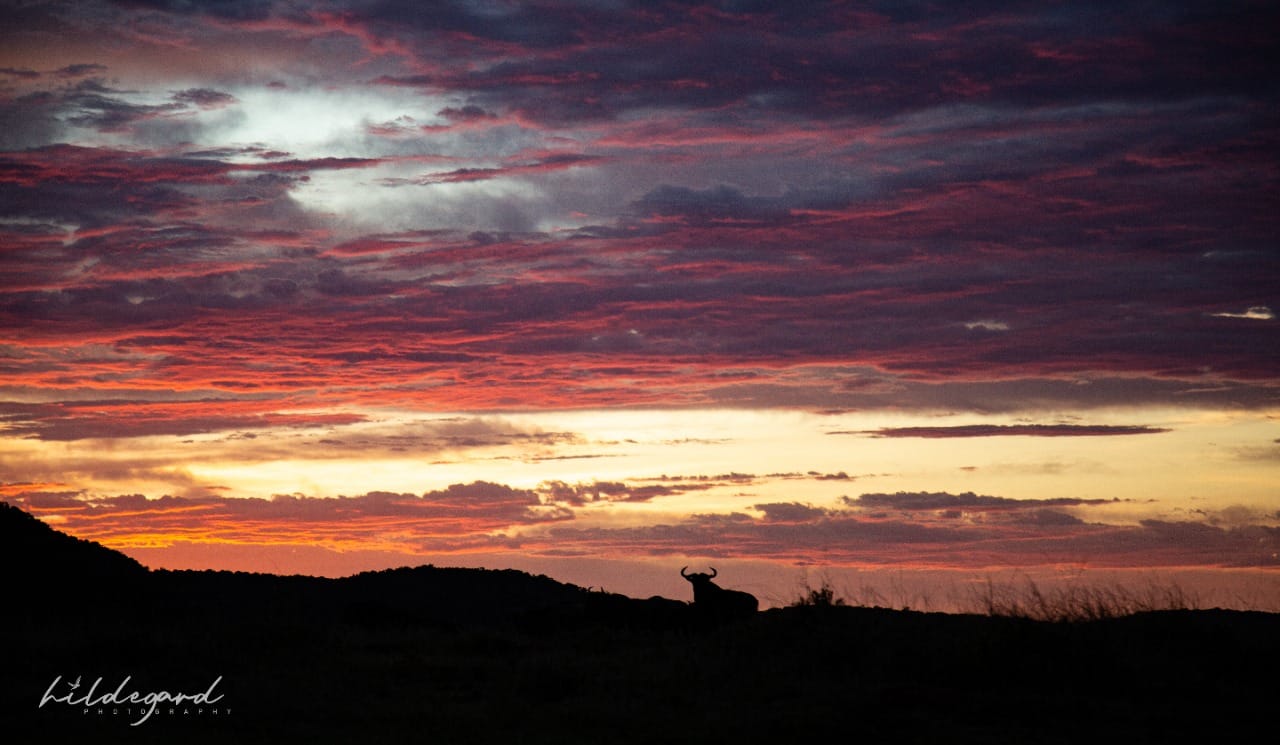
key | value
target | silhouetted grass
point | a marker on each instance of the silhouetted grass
(1022, 598)
(822, 596)
(1078, 602)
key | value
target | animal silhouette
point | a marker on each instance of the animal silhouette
(717, 602)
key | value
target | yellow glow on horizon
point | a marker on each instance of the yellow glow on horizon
(1205, 460)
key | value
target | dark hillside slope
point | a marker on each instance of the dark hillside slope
(37, 560)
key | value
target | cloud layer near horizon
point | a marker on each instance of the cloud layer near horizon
(914, 530)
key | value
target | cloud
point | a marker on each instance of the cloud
(80, 70)
(897, 207)
(720, 204)
(791, 512)
(373, 521)
(577, 495)
(1030, 536)
(19, 72)
(236, 10)
(1259, 453)
(552, 162)
(910, 501)
(185, 447)
(204, 98)
(611, 61)
(964, 531)
(718, 235)
(84, 420)
(469, 113)
(1013, 430)
(1254, 313)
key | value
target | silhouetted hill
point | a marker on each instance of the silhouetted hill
(452, 595)
(422, 596)
(430, 654)
(38, 559)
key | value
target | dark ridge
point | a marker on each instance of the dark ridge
(38, 558)
(431, 654)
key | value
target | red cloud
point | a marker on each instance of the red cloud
(940, 530)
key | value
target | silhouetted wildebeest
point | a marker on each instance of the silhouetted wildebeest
(717, 602)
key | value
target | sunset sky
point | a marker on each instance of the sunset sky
(872, 290)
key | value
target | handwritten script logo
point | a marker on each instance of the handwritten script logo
(144, 703)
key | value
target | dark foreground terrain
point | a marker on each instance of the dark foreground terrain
(430, 655)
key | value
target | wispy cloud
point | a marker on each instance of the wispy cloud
(1013, 430)
(1253, 313)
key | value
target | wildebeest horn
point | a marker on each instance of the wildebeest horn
(682, 574)
(713, 572)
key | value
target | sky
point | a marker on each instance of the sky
(896, 295)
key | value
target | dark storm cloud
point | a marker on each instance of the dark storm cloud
(236, 10)
(81, 70)
(830, 60)
(90, 186)
(204, 98)
(19, 72)
(560, 61)
(699, 312)
(95, 105)
(533, 25)
(133, 201)
(705, 206)
(982, 208)
(469, 113)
